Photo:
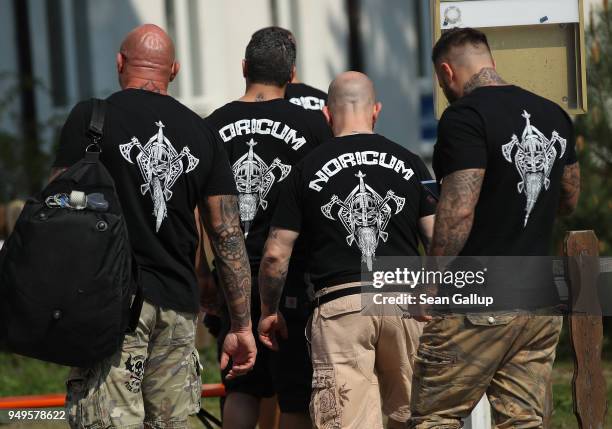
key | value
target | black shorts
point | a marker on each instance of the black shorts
(286, 373)
(292, 370)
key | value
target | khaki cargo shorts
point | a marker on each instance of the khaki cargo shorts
(508, 356)
(154, 379)
(361, 364)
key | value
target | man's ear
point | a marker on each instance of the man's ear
(120, 62)
(446, 72)
(376, 112)
(293, 74)
(176, 66)
(328, 116)
(244, 69)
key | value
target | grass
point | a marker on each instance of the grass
(23, 376)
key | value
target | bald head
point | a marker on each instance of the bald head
(351, 103)
(351, 90)
(147, 53)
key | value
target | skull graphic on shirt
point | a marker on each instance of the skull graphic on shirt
(534, 160)
(365, 216)
(160, 166)
(254, 179)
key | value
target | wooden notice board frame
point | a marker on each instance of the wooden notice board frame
(563, 43)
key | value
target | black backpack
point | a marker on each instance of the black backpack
(68, 283)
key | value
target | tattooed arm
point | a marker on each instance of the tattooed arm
(272, 276)
(455, 211)
(210, 298)
(222, 223)
(570, 189)
(452, 225)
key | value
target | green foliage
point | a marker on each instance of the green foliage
(594, 141)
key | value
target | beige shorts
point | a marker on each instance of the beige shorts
(154, 379)
(361, 364)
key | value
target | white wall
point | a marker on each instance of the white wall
(390, 51)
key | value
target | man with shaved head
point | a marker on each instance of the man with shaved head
(354, 199)
(165, 161)
(507, 165)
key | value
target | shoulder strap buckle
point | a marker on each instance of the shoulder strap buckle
(96, 125)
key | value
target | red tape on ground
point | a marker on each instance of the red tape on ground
(58, 400)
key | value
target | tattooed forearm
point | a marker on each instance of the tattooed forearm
(570, 189)
(455, 211)
(273, 269)
(273, 290)
(486, 77)
(222, 222)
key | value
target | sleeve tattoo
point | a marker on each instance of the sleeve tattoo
(455, 211)
(222, 222)
(272, 273)
(570, 189)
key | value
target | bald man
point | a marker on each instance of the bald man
(355, 199)
(165, 161)
(507, 164)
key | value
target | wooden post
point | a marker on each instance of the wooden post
(586, 330)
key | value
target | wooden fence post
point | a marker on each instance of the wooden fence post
(585, 330)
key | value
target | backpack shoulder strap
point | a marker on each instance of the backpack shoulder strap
(95, 130)
(96, 123)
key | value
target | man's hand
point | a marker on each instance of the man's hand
(239, 345)
(421, 312)
(269, 327)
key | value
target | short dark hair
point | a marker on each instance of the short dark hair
(457, 37)
(270, 56)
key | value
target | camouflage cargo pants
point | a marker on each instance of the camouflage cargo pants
(507, 356)
(154, 379)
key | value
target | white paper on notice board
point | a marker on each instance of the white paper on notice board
(505, 13)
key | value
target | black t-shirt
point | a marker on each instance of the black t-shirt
(305, 96)
(355, 198)
(264, 140)
(524, 142)
(164, 159)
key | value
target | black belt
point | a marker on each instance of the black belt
(354, 290)
(318, 301)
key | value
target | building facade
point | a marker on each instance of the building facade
(72, 45)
